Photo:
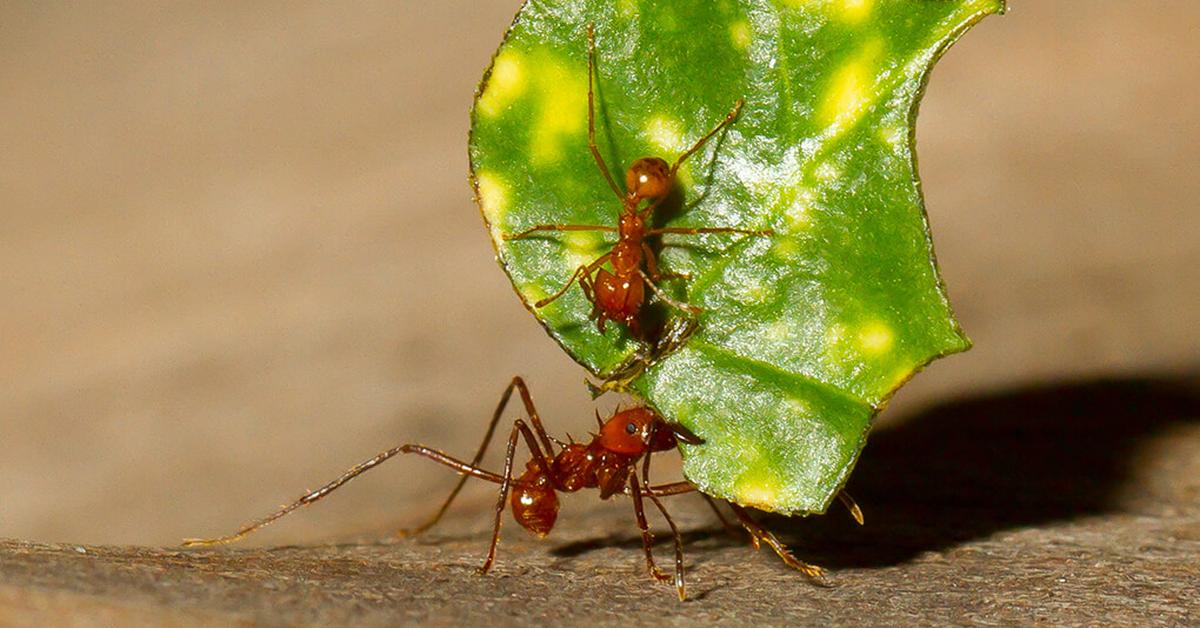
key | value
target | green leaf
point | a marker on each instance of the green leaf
(805, 334)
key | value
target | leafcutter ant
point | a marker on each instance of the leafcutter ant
(608, 463)
(619, 294)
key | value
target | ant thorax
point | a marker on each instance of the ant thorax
(631, 227)
(580, 466)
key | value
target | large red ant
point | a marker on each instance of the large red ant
(619, 295)
(608, 463)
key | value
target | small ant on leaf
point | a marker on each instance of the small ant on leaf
(618, 295)
(608, 463)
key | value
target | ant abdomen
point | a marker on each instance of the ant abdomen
(533, 500)
(648, 177)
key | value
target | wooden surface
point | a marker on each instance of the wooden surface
(1068, 505)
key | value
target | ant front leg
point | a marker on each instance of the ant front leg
(737, 106)
(679, 586)
(591, 37)
(518, 385)
(639, 512)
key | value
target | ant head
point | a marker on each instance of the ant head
(629, 432)
(648, 177)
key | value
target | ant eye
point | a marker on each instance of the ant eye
(630, 429)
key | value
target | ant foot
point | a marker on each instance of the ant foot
(812, 571)
(201, 542)
(657, 574)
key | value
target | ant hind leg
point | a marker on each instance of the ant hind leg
(683, 307)
(520, 429)
(653, 270)
(314, 496)
(517, 384)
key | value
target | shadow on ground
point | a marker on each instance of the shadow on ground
(969, 468)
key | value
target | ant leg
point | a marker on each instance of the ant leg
(765, 536)
(699, 230)
(314, 496)
(635, 488)
(674, 488)
(729, 527)
(536, 228)
(589, 290)
(520, 429)
(652, 266)
(579, 272)
(679, 587)
(592, 117)
(737, 106)
(501, 500)
(852, 506)
(683, 307)
(516, 384)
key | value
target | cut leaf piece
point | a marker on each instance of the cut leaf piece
(804, 334)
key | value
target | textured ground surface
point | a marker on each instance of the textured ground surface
(238, 253)
(1011, 520)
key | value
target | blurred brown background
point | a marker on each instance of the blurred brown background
(238, 251)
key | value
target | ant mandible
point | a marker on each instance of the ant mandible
(607, 463)
(618, 295)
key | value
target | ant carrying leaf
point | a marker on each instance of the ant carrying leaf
(608, 462)
(619, 294)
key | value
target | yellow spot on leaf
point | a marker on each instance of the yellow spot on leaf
(758, 489)
(854, 10)
(493, 197)
(850, 91)
(875, 337)
(739, 33)
(562, 95)
(796, 207)
(666, 134)
(785, 248)
(506, 83)
(627, 8)
(582, 248)
(533, 293)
